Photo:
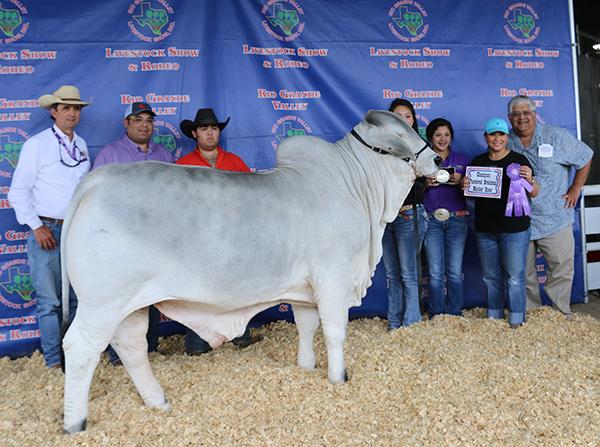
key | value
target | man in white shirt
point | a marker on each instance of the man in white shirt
(50, 166)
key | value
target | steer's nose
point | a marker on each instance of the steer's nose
(437, 161)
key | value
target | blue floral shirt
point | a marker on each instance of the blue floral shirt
(553, 166)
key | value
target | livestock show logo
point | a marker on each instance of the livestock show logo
(13, 22)
(283, 19)
(521, 23)
(288, 126)
(408, 21)
(151, 20)
(16, 285)
(11, 143)
(168, 135)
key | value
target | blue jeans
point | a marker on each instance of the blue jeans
(445, 245)
(44, 266)
(400, 263)
(503, 258)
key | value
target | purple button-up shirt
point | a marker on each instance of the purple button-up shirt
(126, 151)
(448, 196)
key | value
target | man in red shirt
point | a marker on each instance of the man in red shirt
(206, 130)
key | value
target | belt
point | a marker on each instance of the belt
(442, 214)
(408, 208)
(51, 220)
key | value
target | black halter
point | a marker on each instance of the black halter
(373, 148)
(383, 151)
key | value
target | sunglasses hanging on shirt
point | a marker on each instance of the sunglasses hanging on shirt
(74, 160)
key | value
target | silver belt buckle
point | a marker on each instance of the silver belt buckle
(441, 214)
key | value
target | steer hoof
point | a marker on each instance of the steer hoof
(308, 366)
(75, 428)
(342, 379)
(164, 405)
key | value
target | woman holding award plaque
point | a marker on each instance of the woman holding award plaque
(502, 181)
(400, 247)
(447, 228)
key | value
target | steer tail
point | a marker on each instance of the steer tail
(82, 189)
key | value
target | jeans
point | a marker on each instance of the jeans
(445, 245)
(503, 259)
(400, 263)
(44, 266)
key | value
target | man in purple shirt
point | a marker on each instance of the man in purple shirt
(136, 145)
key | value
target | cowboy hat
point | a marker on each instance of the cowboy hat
(204, 117)
(66, 94)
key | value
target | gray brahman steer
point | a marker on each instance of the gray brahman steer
(211, 249)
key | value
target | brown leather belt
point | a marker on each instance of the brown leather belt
(51, 220)
(405, 208)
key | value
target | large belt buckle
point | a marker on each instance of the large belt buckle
(441, 214)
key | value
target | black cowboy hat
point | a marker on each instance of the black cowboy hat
(204, 117)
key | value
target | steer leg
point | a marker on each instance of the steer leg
(82, 354)
(334, 319)
(132, 347)
(307, 322)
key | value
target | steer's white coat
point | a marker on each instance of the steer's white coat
(210, 249)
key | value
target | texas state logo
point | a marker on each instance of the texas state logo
(151, 20)
(167, 134)
(283, 19)
(521, 23)
(408, 21)
(13, 21)
(16, 286)
(11, 143)
(288, 126)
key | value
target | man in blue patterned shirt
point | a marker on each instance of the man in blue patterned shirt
(554, 154)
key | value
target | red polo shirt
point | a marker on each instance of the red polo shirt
(226, 161)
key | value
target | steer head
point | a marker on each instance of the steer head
(386, 131)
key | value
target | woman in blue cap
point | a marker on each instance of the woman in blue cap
(502, 182)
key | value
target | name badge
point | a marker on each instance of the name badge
(545, 150)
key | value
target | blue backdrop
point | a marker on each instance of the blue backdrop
(278, 68)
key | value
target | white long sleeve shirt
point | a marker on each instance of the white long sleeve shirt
(41, 184)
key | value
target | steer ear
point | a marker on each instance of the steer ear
(377, 117)
(386, 134)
